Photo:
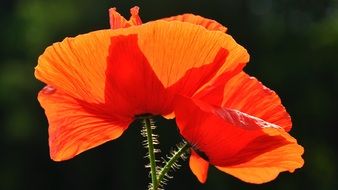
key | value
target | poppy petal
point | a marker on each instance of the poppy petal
(198, 20)
(198, 166)
(173, 48)
(132, 88)
(118, 21)
(195, 78)
(77, 66)
(228, 137)
(248, 95)
(267, 166)
(105, 68)
(135, 18)
(76, 126)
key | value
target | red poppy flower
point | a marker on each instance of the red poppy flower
(184, 67)
(244, 133)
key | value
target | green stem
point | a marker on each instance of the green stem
(147, 123)
(169, 164)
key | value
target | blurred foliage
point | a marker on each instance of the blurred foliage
(294, 50)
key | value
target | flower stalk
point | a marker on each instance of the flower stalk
(151, 140)
(181, 151)
(159, 175)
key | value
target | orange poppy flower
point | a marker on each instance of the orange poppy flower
(243, 134)
(185, 67)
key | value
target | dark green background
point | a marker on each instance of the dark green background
(294, 50)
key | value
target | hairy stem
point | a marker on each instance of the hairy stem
(182, 149)
(147, 122)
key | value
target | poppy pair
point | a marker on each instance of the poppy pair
(184, 67)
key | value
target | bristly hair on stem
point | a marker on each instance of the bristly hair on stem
(171, 162)
(149, 143)
(159, 175)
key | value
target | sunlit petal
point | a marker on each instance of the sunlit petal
(76, 126)
(198, 166)
(198, 20)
